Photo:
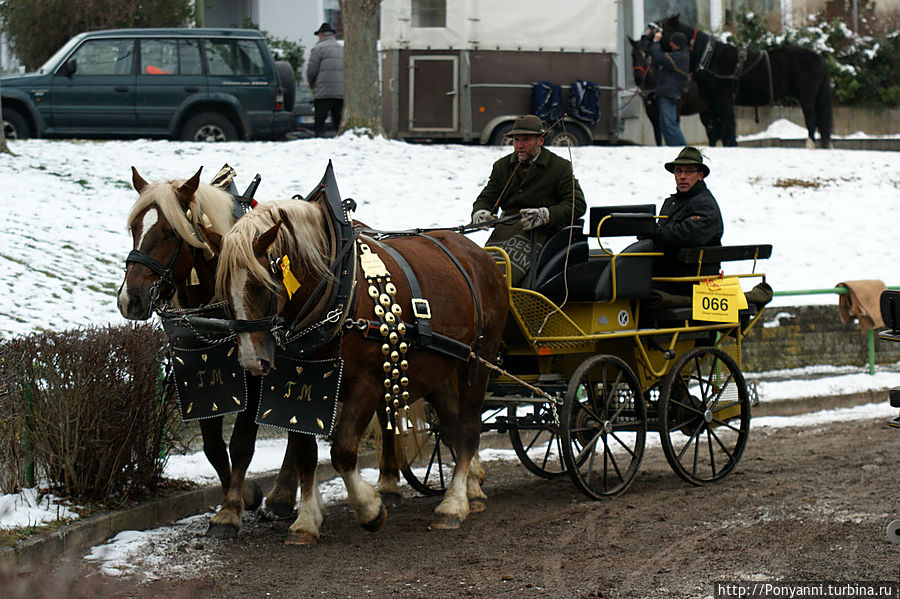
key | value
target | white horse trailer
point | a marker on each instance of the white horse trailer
(462, 70)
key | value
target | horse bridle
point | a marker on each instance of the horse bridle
(164, 272)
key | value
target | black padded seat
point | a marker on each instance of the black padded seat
(592, 281)
(553, 256)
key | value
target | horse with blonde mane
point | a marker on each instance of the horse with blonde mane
(421, 306)
(170, 262)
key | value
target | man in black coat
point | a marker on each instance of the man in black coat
(692, 218)
(673, 70)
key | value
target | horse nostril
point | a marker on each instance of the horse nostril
(264, 366)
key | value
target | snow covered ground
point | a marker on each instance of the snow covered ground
(828, 215)
(63, 238)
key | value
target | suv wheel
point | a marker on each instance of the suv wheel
(208, 126)
(14, 125)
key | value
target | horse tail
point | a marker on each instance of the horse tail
(824, 113)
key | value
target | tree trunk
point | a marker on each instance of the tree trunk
(362, 93)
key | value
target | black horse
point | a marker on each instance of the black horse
(644, 72)
(727, 75)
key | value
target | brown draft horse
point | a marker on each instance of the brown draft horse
(299, 230)
(163, 224)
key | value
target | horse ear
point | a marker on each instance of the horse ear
(137, 181)
(213, 239)
(630, 41)
(261, 244)
(187, 189)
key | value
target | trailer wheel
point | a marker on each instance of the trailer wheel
(603, 426)
(573, 136)
(704, 415)
(500, 136)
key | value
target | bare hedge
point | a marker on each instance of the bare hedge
(89, 408)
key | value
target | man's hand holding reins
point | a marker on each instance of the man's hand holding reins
(532, 218)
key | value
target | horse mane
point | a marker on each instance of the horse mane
(302, 236)
(214, 202)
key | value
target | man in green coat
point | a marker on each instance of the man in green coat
(539, 186)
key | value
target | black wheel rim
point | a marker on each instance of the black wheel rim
(426, 460)
(604, 427)
(704, 415)
(534, 435)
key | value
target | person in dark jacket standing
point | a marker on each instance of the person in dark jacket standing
(692, 218)
(673, 70)
(325, 75)
(535, 183)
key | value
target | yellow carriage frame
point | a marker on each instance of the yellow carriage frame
(657, 369)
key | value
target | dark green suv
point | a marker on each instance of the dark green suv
(189, 84)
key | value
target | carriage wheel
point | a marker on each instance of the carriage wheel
(426, 460)
(704, 415)
(534, 434)
(603, 426)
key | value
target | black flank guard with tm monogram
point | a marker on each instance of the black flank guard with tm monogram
(209, 379)
(301, 395)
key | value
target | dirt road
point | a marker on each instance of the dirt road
(805, 504)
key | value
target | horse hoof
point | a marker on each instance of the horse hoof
(222, 531)
(392, 499)
(301, 538)
(253, 496)
(477, 505)
(377, 522)
(445, 522)
(277, 511)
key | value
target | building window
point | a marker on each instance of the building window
(429, 13)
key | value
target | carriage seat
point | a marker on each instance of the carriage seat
(556, 250)
(601, 277)
(696, 256)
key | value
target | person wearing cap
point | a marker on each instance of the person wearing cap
(325, 75)
(535, 183)
(691, 218)
(673, 71)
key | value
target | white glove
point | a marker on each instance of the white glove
(532, 218)
(481, 216)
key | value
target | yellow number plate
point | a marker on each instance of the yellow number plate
(718, 300)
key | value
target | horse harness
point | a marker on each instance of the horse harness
(740, 67)
(315, 327)
(394, 332)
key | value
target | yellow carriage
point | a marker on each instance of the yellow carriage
(594, 357)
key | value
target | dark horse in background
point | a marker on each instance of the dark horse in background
(727, 75)
(644, 71)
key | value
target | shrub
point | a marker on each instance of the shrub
(89, 408)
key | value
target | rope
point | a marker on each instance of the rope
(531, 387)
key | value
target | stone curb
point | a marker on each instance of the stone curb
(31, 554)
